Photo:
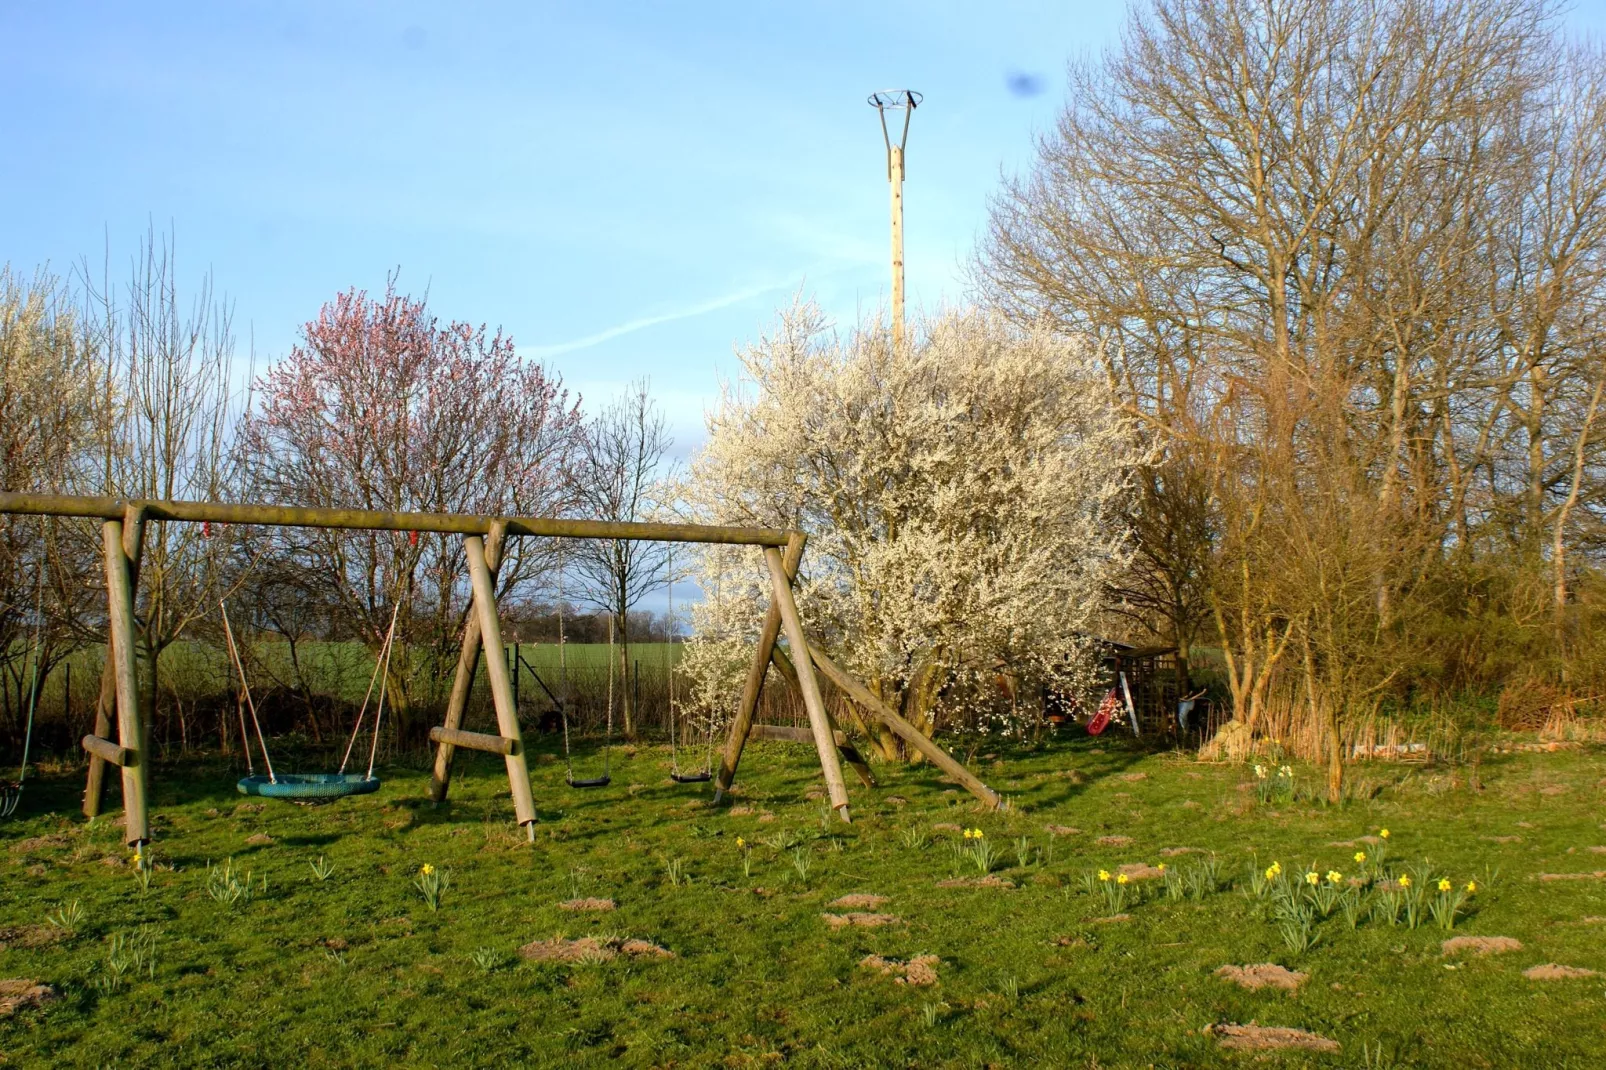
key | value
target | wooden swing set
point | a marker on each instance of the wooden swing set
(485, 539)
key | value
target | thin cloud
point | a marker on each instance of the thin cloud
(642, 323)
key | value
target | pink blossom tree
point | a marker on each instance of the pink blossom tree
(381, 407)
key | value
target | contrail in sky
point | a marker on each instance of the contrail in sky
(644, 322)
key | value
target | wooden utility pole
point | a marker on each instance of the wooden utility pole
(894, 100)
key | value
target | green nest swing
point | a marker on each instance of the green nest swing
(313, 787)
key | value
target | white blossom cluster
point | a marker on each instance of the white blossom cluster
(963, 499)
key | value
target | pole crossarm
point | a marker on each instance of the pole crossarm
(377, 520)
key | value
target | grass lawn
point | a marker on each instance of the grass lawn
(356, 970)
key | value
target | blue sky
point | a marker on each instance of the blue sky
(629, 189)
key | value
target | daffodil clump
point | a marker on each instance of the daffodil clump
(432, 884)
(979, 851)
(747, 856)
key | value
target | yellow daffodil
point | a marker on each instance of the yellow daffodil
(1384, 833)
(1334, 876)
(1162, 867)
(1360, 856)
(1122, 879)
(1104, 874)
(1271, 873)
(1444, 884)
(740, 842)
(978, 833)
(1472, 886)
(1276, 868)
(1405, 881)
(426, 869)
(1313, 878)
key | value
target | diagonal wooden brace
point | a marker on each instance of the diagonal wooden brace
(507, 718)
(468, 660)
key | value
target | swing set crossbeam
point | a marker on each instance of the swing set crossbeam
(378, 520)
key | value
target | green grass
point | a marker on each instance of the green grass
(354, 969)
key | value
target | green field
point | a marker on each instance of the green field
(356, 970)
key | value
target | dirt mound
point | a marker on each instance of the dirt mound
(919, 971)
(261, 839)
(895, 800)
(860, 919)
(1552, 971)
(1480, 945)
(859, 901)
(17, 994)
(1599, 874)
(29, 936)
(1597, 850)
(1254, 1037)
(1114, 841)
(1140, 871)
(1554, 789)
(1112, 919)
(588, 904)
(740, 811)
(39, 843)
(1263, 975)
(1503, 839)
(1131, 778)
(946, 826)
(591, 949)
(1061, 830)
(989, 881)
(1172, 852)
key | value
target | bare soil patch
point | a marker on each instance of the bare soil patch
(1114, 841)
(1254, 1037)
(588, 904)
(591, 949)
(946, 826)
(28, 936)
(1503, 839)
(1061, 830)
(740, 811)
(896, 800)
(1131, 778)
(919, 971)
(989, 881)
(1263, 975)
(1140, 871)
(860, 919)
(17, 993)
(1112, 919)
(1599, 874)
(1172, 852)
(1552, 971)
(859, 901)
(261, 839)
(1480, 945)
(39, 843)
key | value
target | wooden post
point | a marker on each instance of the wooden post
(120, 650)
(895, 174)
(874, 706)
(850, 753)
(468, 660)
(106, 702)
(748, 706)
(819, 720)
(507, 718)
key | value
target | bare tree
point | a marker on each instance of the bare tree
(622, 473)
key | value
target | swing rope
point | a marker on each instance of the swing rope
(382, 677)
(676, 722)
(563, 700)
(239, 668)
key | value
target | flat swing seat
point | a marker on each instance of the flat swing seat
(309, 785)
(691, 778)
(594, 782)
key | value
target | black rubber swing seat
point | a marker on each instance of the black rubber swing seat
(594, 782)
(309, 785)
(691, 778)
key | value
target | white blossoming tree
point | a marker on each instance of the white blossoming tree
(963, 500)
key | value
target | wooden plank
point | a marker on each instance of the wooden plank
(910, 734)
(380, 520)
(778, 733)
(107, 751)
(850, 754)
(754, 685)
(456, 737)
(507, 718)
(468, 661)
(120, 613)
(106, 702)
(819, 720)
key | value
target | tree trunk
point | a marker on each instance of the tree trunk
(628, 704)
